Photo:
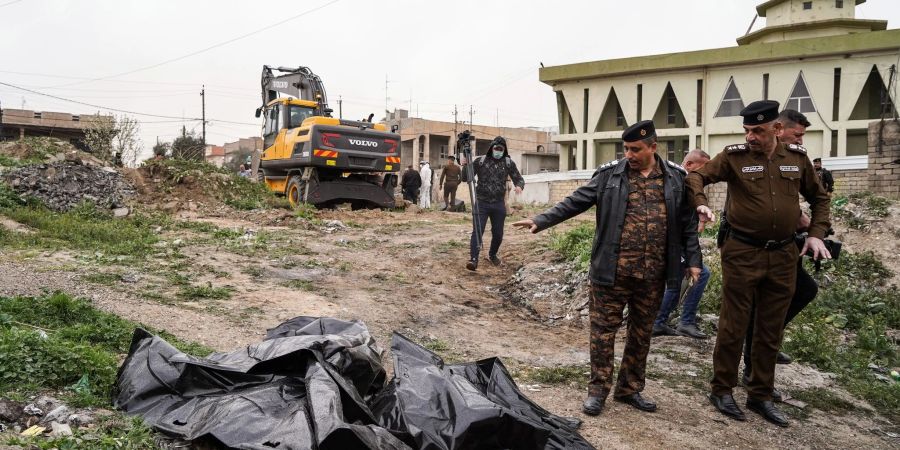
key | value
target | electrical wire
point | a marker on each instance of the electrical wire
(211, 47)
(9, 3)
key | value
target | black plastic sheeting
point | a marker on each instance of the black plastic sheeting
(318, 383)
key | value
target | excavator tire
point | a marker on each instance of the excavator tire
(296, 191)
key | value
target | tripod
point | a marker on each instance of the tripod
(464, 147)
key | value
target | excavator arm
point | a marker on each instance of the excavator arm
(298, 82)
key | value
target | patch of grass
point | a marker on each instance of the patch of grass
(446, 247)
(303, 285)
(253, 271)
(85, 228)
(106, 279)
(306, 211)
(575, 245)
(190, 292)
(116, 431)
(436, 345)
(571, 374)
(823, 399)
(55, 341)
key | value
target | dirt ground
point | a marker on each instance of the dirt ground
(404, 271)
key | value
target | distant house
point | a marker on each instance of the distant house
(219, 155)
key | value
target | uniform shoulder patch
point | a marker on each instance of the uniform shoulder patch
(608, 165)
(676, 166)
(737, 148)
(796, 148)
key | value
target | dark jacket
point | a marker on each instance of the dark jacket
(608, 191)
(492, 174)
(411, 180)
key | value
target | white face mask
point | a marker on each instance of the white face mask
(497, 154)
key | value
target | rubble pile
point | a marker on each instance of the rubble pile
(555, 293)
(61, 185)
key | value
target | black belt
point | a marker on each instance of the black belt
(768, 245)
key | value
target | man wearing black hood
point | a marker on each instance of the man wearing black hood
(491, 172)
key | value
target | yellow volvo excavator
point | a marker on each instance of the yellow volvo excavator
(312, 157)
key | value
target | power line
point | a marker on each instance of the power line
(186, 119)
(260, 30)
(10, 3)
(90, 104)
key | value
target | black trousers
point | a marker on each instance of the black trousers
(496, 211)
(804, 294)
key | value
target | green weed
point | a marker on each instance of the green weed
(575, 245)
(209, 291)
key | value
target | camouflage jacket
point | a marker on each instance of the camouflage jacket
(608, 190)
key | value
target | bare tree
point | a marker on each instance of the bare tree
(114, 138)
(127, 143)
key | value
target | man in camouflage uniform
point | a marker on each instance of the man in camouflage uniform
(644, 222)
(759, 257)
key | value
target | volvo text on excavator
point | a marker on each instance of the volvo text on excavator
(312, 157)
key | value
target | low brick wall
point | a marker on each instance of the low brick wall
(850, 181)
(884, 169)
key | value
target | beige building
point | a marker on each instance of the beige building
(19, 123)
(532, 149)
(812, 56)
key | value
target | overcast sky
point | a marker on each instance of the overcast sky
(153, 56)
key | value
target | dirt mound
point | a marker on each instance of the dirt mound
(555, 293)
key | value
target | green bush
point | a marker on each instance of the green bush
(575, 245)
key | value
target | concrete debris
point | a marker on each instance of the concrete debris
(80, 419)
(64, 184)
(121, 212)
(60, 429)
(537, 287)
(10, 411)
(58, 414)
(129, 278)
(33, 410)
(330, 226)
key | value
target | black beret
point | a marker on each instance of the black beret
(641, 130)
(759, 112)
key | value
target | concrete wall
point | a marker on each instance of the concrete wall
(18, 123)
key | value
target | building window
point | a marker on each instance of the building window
(838, 3)
(765, 86)
(640, 100)
(540, 149)
(807, 5)
(444, 152)
(836, 103)
(671, 107)
(670, 150)
(699, 102)
(799, 99)
(620, 150)
(620, 116)
(731, 104)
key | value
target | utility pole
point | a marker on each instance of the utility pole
(471, 115)
(340, 107)
(203, 101)
(455, 121)
(386, 95)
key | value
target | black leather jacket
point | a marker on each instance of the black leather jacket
(608, 191)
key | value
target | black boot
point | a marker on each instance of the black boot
(593, 405)
(638, 402)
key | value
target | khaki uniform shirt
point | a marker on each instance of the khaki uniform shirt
(763, 193)
(642, 248)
